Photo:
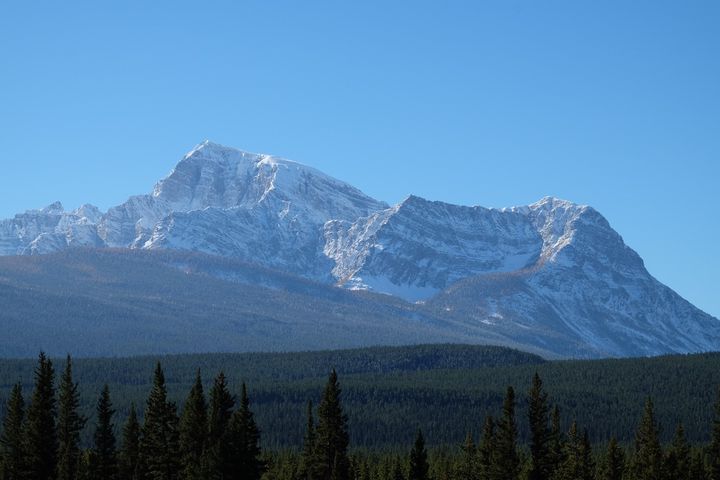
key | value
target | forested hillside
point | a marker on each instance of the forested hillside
(121, 303)
(389, 392)
(217, 435)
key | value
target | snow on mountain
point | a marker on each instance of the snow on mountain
(212, 175)
(49, 229)
(418, 247)
(553, 274)
(587, 287)
(257, 207)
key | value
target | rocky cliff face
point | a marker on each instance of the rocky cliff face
(49, 230)
(553, 273)
(418, 247)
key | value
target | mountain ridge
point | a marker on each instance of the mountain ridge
(566, 273)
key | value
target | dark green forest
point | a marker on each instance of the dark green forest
(215, 433)
(447, 390)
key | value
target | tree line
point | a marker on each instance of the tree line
(216, 436)
(387, 389)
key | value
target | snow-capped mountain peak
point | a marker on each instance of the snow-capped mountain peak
(554, 271)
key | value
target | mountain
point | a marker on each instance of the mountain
(418, 247)
(553, 277)
(49, 230)
(115, 302)
(223, 201)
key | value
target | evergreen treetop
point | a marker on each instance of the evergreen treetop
(541, 459)
(40, 439)
(419, 468)
(103, 462)
(647, 456)
(159, 444)
(332, 437)
(193, 431)
(506, 461)
(129, 454)
(11, 438)
(70, 424)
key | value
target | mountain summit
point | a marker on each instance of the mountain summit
(553, 274)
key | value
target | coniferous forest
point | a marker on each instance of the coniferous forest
(215, 434)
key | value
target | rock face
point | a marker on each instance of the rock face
(418, 247)
(49, 230)
(227, 202)
(553, 273)
(588, 287)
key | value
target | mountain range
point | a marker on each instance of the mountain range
(552, 277)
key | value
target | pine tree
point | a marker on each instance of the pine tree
(332, 437)
(159, 445)
(647, 458)
(572, 464)
(103, 460)
(244, 441)
(540, 454)
(486, 449)
(129, 454)
(40, 437)
(714, 452)
(308, 460)
(677, 458)
(70, 424)
(506, 461)
(11, 440)
(613, 464)
(193, 431)
(217, 456)
(418, 459)
(587, 464)
(555, 442)
(467, 467)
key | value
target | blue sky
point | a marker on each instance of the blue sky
(615, 104)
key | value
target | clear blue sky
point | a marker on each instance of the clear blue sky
(615, 104)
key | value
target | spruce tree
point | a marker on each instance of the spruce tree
(159, 445)
(572, 467)
(332, 437)
(556, 442)
(40, 437)
(129, 454)
(217, 456)
(418, 459)
(308, 459)
(587, 463)
(103, 460)
(677, 458)
(541, 465)
(11, 440)
(486, 450)
(193, 431)
(69, 425)
(613, 463)
(506, 461)
(467, 467)
(714, 451)
(244, 441)
(647, 457)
